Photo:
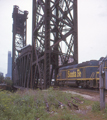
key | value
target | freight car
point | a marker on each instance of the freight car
(85, 74)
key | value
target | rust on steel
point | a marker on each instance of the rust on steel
(54, 38)
(23, 64)
(54, 42)
(19, 39)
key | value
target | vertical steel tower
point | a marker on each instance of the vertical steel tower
(19, 35)
(54, 38)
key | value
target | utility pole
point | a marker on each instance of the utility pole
(101, 86)
(102, 82)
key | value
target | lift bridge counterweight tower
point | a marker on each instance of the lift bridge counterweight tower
(54, 27)
(19, 39)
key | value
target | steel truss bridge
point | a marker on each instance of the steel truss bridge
(54, 42)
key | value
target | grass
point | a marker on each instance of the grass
(45, 105)
(96, 107)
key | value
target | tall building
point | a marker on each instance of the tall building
(9, 65)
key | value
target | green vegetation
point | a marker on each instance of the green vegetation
(96, 107)
(46, 105)
(33, 105)
(7, 81)
(1, 79)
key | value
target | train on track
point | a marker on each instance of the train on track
(85, 74)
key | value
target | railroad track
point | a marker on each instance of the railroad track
(89, 91)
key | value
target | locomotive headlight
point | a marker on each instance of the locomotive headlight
(103, 73)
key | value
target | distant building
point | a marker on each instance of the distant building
(1, 74)
(9, 65)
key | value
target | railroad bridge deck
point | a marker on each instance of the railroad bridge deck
(22, 76)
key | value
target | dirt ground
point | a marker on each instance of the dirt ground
(90, 95)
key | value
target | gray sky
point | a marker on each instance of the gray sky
(92, 28)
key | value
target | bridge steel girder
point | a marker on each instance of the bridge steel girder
(19, 37)
(54, 38)
(23, 67)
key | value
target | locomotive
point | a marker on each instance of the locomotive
(85, 74)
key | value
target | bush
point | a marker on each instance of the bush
(8, 81)
(31, 105)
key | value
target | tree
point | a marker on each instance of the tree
(1, 78)
(8, 81)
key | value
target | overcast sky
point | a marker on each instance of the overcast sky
(92, 28)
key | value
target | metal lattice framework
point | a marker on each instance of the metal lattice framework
(23, 68)
(19, 35)
(54, 38)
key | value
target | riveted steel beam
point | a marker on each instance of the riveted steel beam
(19, 37)
(54, 38)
